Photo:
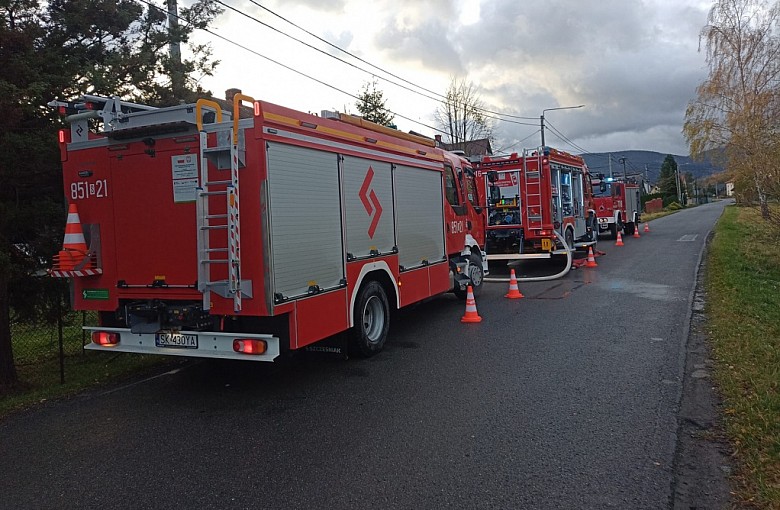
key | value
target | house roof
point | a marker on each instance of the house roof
(479, 147)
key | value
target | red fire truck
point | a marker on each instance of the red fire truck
(539, 204)
(617, 204)
(250, 233)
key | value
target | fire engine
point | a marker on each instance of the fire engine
(539, 204)
(617, 204)
(257, 230)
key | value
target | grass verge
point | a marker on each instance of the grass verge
(36, 354)
(743, 287)
(41, 382)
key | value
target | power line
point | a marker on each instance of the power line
(504, 149)
(563, 138)
(439, 96)
(239, 45)
(333, 87)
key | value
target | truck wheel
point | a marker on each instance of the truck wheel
(613, 230)
(476, 274)
(630, 229)
(569, 237)
(372, 320)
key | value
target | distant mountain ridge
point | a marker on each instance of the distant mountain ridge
(647, 163)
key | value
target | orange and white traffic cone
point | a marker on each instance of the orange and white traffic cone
(591, 259)
(514, 292)
(74, 247)
(619, 241)
(647, 227)
(471, 308)
(636, 230)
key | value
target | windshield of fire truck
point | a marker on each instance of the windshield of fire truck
(504, 200)
(602, 189)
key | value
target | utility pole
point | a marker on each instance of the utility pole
(623, 160)
(177, 79)
(610, 165)
(541, 117)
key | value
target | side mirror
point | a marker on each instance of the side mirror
(492, 176)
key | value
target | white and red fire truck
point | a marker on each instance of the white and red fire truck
(539, 204)
(249, 233)
(617, 204)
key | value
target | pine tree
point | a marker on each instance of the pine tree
(667, 180)
(58, 50)
(372, 105)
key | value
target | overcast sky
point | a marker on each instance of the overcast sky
(634, 64)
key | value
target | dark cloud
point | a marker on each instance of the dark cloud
(635, 64)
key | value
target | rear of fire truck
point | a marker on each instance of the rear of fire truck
(135, 223)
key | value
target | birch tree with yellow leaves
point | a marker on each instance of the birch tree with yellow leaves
(737, 108)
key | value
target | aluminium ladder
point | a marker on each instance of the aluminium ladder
(212, 216)
(533, 192)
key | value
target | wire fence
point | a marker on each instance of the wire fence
(41, 350)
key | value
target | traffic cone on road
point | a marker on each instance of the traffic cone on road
(619, 241)
(514, 292)
(647, 227)
(591, 259)
(471, 308)
(636, 230)
(74, 247)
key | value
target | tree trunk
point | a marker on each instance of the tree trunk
(762, 199)
(7, 367)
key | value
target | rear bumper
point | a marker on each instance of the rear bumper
(210, 344)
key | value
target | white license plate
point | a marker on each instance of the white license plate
(169, 339)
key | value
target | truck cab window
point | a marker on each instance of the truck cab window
(471, 190)
(451, 186)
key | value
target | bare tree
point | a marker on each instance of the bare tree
(461, 116)
(737, 105)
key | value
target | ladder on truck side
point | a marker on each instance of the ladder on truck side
(224, 154)
(532, 184)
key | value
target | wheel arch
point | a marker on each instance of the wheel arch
(375, 271)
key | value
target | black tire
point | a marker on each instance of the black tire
(629, 228)
(569, 237)
(372, 320)
(476, 273)
(613, 230)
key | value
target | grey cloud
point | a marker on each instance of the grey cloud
(427, 43)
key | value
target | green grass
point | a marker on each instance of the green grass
(743, 303)
(36, 354)
(41, 382)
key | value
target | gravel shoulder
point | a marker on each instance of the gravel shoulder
(702, 460)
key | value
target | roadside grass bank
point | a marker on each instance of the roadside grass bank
(36, 356)
(743, 306)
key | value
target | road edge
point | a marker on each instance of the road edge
(701, 466)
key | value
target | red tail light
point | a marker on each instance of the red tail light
(62, 136)
(105, 338)
(250, 346)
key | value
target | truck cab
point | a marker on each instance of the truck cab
(617, 204)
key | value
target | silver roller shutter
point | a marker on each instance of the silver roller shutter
(419, 210)
(305, 210)
(368, 199)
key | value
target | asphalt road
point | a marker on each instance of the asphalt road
(565, 399)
